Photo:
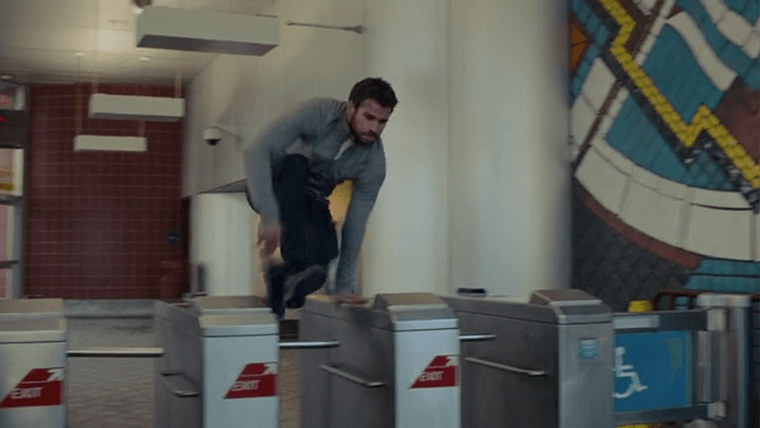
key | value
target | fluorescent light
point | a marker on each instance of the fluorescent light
(109, 143)
(132, 107)
(206, 31)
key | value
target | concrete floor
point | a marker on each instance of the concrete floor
(119, 393)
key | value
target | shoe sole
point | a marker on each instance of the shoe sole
(275, 292)
(306, 283)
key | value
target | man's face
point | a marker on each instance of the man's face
(367, 120)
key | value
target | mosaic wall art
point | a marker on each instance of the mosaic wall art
(666, 143)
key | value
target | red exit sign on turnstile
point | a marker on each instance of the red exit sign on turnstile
(40, 387)
(256, 380)
(441, 372)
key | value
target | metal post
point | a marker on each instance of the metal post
(731, 314)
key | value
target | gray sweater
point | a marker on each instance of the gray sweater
(317, 129)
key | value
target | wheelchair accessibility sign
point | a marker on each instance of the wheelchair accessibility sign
(652, 371)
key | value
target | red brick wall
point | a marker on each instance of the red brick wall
(98, 221)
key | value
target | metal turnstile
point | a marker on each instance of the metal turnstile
(549, 366)
(33, 342)
(564, 360)
(397, 364)
(220, 364)
(685, 365)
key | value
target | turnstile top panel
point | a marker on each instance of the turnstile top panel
(34, 307)
(397, 312)
(569, 297)
(409, 301)
(562, 313)
(208, 304)
(32, 329)
(217, 322)
(245, 322)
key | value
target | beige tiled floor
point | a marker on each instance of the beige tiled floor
(118, 393)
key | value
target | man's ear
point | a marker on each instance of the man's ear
(351, 110)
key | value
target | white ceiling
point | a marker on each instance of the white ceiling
(40, 40)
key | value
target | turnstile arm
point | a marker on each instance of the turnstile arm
(506, 368)
(476, 337)
(178, 384)
(105, 352)
(308, 345)
(350, 377)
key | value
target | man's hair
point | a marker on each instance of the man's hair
(375, 88)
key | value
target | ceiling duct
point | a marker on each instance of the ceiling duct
(206, 31)
(132, 107)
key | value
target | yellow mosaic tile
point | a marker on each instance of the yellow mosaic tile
(703, 119)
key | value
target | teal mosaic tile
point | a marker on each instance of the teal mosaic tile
(729, 54)
(737, 5)
(728, 267)
(752, 12)
(676, 73)
(634, 136)
(727, 284)
(655, 158)
(752, 76)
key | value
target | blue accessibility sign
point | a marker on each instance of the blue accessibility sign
(653, 370)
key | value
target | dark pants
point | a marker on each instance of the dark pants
(307, 232)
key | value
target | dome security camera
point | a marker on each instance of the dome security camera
(212, 135)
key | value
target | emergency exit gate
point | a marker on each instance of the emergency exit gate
(550, 363)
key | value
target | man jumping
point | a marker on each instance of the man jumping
(291, 169)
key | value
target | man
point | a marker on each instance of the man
(293, 166)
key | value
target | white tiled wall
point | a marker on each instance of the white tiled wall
(720, 233)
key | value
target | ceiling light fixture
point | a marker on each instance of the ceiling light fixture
(133, 107)
(206, 31)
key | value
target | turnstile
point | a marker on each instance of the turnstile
(550, 365)
(33, 342)
(564, 360)
(397, 364)
(220, 364)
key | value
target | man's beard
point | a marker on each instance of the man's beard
(357, 138)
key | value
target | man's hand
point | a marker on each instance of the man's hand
(269, 235)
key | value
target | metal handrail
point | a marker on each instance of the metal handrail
(673, 294)
(309, 345)
(476, 337)
(115, 352)
(350, 377)
(506, 368)
(184, 391)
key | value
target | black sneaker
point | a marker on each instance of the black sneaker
(275, 278)
(299, 285)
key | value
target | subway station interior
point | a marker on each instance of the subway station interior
(567, 235)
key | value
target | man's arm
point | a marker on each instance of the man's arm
(365, 190)
(304, 122)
